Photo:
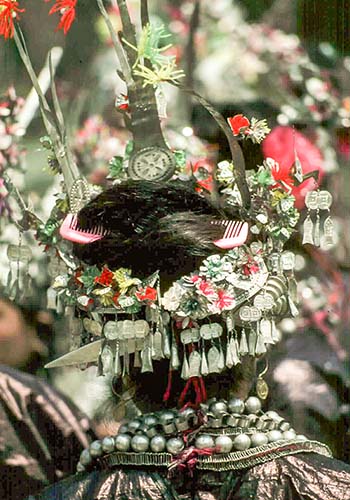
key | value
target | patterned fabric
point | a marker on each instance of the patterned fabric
(41, 434)
(299, 477)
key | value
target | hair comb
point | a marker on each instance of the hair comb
(235, 235)
(71, 231)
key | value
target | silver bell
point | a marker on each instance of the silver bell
(140, 443)
(122, 442)
(158, 444)
(175, 445)
(241, 442)
(204, 441)
(223, 444)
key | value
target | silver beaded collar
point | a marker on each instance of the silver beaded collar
(235, 434)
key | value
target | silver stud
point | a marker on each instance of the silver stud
(259, 439)
(175, 445)
(241, 442)
(253, 405)
(140, 443)
(274, 436)
(223, 444)
(122, 442)
(158, 444)
(289, 434)
(96, 448)
(85, 457)
(108, 444)
(204, 441)
(236, 405)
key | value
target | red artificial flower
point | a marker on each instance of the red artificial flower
(224, 301)
(250, 267)
(9, 10)
(105, 278)
(201, 170)
(122, 102)
(147, 293)
(281, 145)
(207, 290)
(67, 10)
(115, 298)
(238, 124)
(77, 275)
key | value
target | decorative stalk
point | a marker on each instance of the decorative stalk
(53, 122)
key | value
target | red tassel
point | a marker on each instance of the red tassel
(168, 387)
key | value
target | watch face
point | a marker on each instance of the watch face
(152, 164)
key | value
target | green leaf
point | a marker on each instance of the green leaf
(116, 166)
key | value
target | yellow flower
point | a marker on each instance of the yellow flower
(122, 277)
(277, 196)
(105, 296)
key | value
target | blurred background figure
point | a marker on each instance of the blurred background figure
(41, 434)
(24, 335)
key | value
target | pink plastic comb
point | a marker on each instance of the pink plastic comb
(235, 235)
(70, 231)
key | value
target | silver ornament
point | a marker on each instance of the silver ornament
(259, 439)
(158, 444)
(241, 442)
(80, 467)
(134, 425)
(218, 408)
(122, 442)
(175, 445)
(236, 405)
(85, 457)
(253, 405)
(140, 443)
(301, 437)
(95, 448)
(150, 420)
(274, 415)
(274, 436)
(223, 444)
(204, 441)
(108, 444)
(123, 429)
(289, 434)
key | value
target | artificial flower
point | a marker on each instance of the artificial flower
(9, 10)
(215, 268)
(257, 131)
(250, 267)
(123, 279)
(105, 278)
(105, 296)
(147, 294)
(67, 10)
(201, 171)
(238, 124)
(207, 289)
(283, 144)
(171, 298)
(225, 301)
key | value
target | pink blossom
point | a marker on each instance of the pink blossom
(207, 290)
(281, 145)
(225, 301)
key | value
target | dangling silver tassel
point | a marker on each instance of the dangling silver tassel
(260, 347)
(51, 298)
(204, 364)
(107, 360)
(174, 358)
(317, 231)
(328, 232)
(243, 345)
(194, 364)
(185, 372)
(234, 351)
(221, 360)
(166, 344)
(137, 359)
(117, 364)
(266, 330)
(213, 359)
(252, 342)
(146, 358)
(229, 358)
(308, 231)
